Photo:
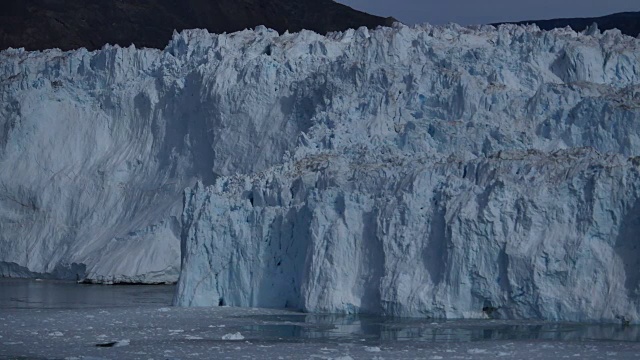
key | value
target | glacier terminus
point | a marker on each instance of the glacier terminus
(432, 171)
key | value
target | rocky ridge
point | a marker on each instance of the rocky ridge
(91, 24)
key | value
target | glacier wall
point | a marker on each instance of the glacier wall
(523, 235)
(443, 172)
(97, 147)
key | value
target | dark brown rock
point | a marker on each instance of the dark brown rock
(71, 24)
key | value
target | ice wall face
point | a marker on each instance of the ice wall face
(97, 147)
(525, 235)
(445, 172)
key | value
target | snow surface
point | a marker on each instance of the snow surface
(438, 171)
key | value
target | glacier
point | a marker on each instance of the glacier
(97, 147)
(446, 172)
(438, 171)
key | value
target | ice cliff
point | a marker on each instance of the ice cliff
(439, 171)
(97, 147)
(429, 171)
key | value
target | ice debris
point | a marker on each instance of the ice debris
(234, 336)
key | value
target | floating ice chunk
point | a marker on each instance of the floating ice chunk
(234, 336)
(372, 349)
(122, 343)
(476, 351)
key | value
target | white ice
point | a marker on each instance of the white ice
(437, 171)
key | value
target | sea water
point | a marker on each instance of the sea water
(54, 319)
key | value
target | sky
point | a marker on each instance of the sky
(468, 12)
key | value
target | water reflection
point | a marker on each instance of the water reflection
(357, 328)
(49, 294)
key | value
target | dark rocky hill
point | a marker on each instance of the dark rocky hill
(71, 24)
(627, 22)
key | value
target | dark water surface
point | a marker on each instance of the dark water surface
(20, 294)
(58, 320)
(50, 294)
(370, 328)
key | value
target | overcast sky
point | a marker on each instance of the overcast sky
(467, 12)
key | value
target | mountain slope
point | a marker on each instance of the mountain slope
(627, 22)
(44, 24)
